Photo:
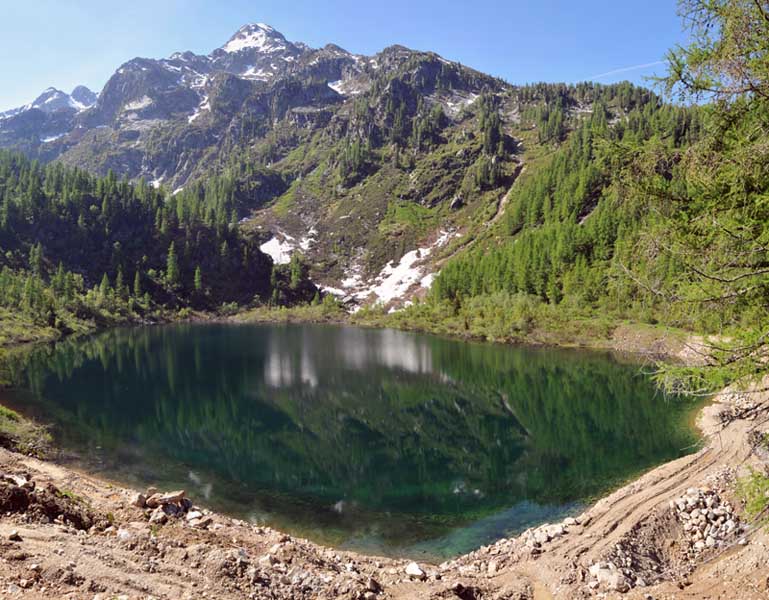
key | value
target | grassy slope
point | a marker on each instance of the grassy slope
(16, 329)
(23, 435)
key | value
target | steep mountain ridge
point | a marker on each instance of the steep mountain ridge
(147, 94)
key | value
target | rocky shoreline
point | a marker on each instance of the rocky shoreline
(675, 532)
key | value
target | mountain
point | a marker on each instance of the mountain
(290, 111)
(185, 96)
(53, 100)
(34, 127)
(376, 169)
(84, 97)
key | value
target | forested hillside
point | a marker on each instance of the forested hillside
(658, 217)
(569, 228)
(79, 247)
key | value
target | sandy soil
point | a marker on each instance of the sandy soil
(81, 537)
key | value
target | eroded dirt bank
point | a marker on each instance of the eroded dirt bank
(677, 532)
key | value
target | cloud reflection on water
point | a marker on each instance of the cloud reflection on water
(294, 361)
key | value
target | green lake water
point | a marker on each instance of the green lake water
(374, 440)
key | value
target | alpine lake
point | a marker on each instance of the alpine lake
(379, 441)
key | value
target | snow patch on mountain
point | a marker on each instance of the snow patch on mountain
(139, 104)
(281, 245)
(259, 74)
(279, 250)
(205, 105)
(260, 37)
(349, 87)
(396, 279)
(337, 86)
(334, 291)
(427, 281)
(308, 240)
(457, 102)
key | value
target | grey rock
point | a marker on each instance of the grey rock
(158, 517)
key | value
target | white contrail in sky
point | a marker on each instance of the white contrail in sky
(625, 69)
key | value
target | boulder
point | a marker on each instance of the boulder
(123, 535)
(372, 585)
(268, 560)
(158, 517)
(541, 536)
(617, 582)
(201, 523)
(414, 571)
(555, 531)
(158, 499)
(139, 500)
(608, 576)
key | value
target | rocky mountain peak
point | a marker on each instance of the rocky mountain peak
(208, 103)
(256, 36)
(52, 100)
(48, 95)
(83, 95)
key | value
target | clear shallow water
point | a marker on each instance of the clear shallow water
(376, 440)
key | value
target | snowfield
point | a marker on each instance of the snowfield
(279, 251)
(395, 279)
(282, 245)
(139, 104)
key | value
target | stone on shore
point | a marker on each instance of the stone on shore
(414, 571)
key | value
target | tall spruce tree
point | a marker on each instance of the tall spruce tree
(172, 266)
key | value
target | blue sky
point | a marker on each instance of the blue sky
(55, 43)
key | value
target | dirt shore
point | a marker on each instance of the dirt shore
(64, 534)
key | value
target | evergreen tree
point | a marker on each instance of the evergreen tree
(172, 267)
(296, 271)
(137, 287)
(104, 288)
(120, 289)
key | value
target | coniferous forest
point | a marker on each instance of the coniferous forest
(658, 218)
(80, 247)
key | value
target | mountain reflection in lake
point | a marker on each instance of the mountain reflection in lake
(376, 440)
